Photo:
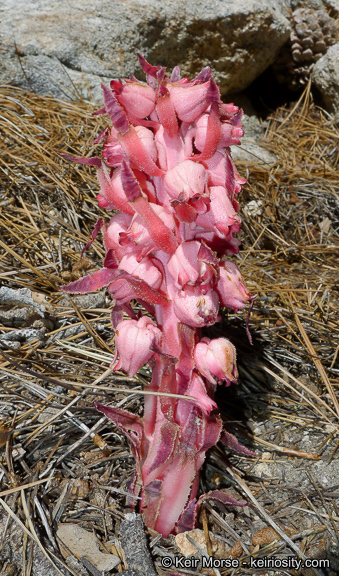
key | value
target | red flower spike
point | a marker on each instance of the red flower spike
(173, 179)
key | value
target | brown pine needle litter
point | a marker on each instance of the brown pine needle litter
(59, 460)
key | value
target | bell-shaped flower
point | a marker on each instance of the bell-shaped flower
(227, 111)
(137, 239)
(134, 340)
(138, 99)
(216, 360)
(146, 138)
(118, 225)
(231, 287)
(216, 169)
(230, 135)
(186, 181)
(145, 269)
(192, 263)
(194, 308)
(189, 101)
(220, 215)
(112, 191)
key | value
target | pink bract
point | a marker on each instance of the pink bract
(168, 169)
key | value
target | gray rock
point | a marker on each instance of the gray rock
(330, 6)
(326, 79)
(252, 149)
(68, 49)
(251, 152)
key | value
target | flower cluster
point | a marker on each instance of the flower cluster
(169, 173)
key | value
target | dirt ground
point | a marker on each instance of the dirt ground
(61, 462)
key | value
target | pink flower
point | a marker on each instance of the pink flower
(146, 138)
(216, 360)
(220, 215)
(231, 287)
(192, 263)
(113, 152)
(229, 134)
(195, 308)
(186, 181)
(145, 269)
(133, 342)
(137, 99)
(118, 225)
(168, 169)
(189, 101)
(112, 190)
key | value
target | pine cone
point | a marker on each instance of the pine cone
(313, 32)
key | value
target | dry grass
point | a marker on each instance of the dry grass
(59, 460)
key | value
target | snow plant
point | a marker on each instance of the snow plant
(169, 177)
